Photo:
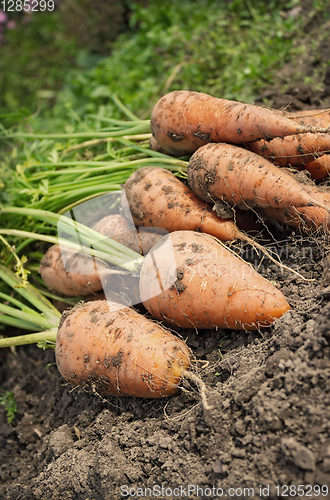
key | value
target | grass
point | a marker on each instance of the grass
(7, 399)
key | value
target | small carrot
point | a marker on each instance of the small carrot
(183, 121)
(243, 178)
(319, 168)
(116, 351)
(294, 150)
(118, 228)
(71, 273)
(212, 288)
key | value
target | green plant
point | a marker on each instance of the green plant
(7, 399)
(229, 49)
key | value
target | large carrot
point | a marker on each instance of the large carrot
(212, 288)
(182, 121)
(157, 198)
(239, 177)
(294, 150)
(116, 351)
(164, 269)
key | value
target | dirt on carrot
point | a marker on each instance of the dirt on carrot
(294, 150)
(183, 121)
(71, 273)
(210, 287)
(312, 117)
(242, 178)
(114, 350)
(158, 198)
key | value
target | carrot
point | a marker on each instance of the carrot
(207, 286)
(303, 217)
(183, 121)
(239, 177)
(71, 273)
(294, 150)
(313, 117)
(157, 198)
(118, 228)
(116, 351)
(319, 168)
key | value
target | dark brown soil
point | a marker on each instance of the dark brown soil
(268, 430)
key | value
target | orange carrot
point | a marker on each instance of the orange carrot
(118, 228)
(312, 117)
(294, 150)
(157, 198)
(239, 177)
(183, 121)
(319, 168)
(115, 351)
(303, 218)
(71, 273)
(212, 288)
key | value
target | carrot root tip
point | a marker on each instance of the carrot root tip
(201, 387)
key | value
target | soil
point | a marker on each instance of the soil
(268, 428)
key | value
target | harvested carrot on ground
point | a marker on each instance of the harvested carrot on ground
(71, 273)
(294, 150)
(119, 352)
(243, 178)
(157, 198)
(183, 121)
(212, 288)
(319, 168)
(304, 217)
(117, 227)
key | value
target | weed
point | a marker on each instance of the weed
(7, 399)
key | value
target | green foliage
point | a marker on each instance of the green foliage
(35, 58)
(7, 399)
(228, 49)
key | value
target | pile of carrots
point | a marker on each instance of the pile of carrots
(238, 162)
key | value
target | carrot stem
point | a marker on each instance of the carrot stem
(30, 338)
(31, 294)
(33, 317)
(111, 250)
(119, 260)
(138, 129)
(18, 323)
(106, 165)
